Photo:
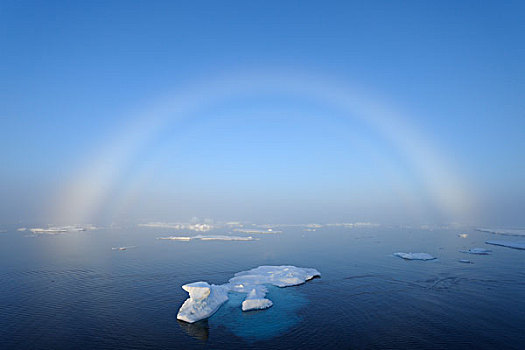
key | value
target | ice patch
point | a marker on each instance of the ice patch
(123, 248)
(256, 231)
(415, 256)
(477, 251)
(506, 232)
(54, 230)
(508, 244)
(179, 226)
(204, 299)
(207, 238)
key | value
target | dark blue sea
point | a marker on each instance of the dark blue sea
(72, 291)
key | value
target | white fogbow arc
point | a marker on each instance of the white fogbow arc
(88, 189)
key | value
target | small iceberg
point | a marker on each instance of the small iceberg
(415, 256)
(255, 300)
(508, 244)
(205, 299)
(477, 251)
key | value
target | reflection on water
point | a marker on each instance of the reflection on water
(199, 330)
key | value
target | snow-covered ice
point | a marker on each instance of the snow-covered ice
(205, 299)
(415, 256)
(508, 244)
(255, 300)
(208, 238)
(54, 230)
(477, 251)
(506, 232)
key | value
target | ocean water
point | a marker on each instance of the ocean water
(73, 291)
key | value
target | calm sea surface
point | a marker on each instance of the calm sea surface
(73, 291)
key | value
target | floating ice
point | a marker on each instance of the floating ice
(179, 226)
(123, 248)
(506, 232)
(415, 256)
(207, 238)
(477, 251)
(255, 300)
(508, 244)
(204, 299)
(256, 231)
(54, 230)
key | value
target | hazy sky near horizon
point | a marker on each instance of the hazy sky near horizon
(77, 79)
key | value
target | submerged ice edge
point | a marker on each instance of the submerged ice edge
(206, 299)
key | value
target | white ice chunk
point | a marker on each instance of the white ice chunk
(256, 304)
(477, 251)
(415, 256)
(508, 244)
(280, 276)
(204, 301)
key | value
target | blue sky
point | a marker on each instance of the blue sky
(74, 74)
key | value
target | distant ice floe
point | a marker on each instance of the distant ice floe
(208, 238)
(506, 232)
(355, 224)
(55, 230)
(123, 248)
(180, 226)
(415, 256)
(477, 251)
(463, 235)
(256, 231)
(508, 244)
(21, 229)
(205, 299)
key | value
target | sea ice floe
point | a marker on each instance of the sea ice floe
(506, 232)
(54, 230)
(179, 226)
(415, 256)
(123, 248)
(508, 244)
(477, 251)
(205, 299)
(256, 231)
(255, 300)
(208, 238)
